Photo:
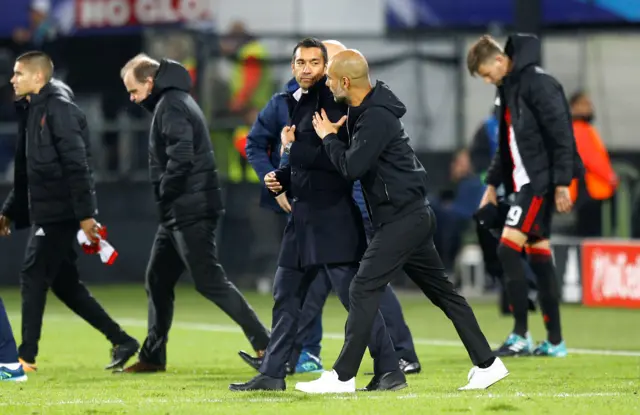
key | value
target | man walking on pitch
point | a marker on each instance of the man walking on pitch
(188, 196)
(53, 191)
(395, 187)
(536, 160)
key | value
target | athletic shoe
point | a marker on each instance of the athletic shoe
(515, 346)
(552, 350)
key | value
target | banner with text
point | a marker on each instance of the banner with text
(121, 13)
(611, 273)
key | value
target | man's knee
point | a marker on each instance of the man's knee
(363, 287)
(510, 254)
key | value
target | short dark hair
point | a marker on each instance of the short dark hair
(482, 50)
(311, 42)
(143, 67)
(39, 59)
(577, 96)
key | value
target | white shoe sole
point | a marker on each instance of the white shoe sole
(496, 380)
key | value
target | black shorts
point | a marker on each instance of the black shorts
(531, 214)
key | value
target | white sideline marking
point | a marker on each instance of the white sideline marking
(332, 336)
(294, 397)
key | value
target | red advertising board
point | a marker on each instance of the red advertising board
(611, 273)
(121, 13)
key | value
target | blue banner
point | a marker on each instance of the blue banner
(408, 14)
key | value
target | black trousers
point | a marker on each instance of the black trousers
(50, 262)
(310, 323)
(290, 289)
(404, 244)
(191, 248)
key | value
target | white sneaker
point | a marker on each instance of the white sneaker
(328, 383)
(483, 378)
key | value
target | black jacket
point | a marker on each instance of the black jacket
(325, 226)
(53, 181)
(541, 120)
(182, 167)
(394, 182)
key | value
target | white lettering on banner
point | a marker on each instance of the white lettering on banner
(118, 13)
(571, 289)
(99, 13)
(614, 276)
(194, 9)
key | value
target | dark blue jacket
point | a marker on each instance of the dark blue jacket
(263, 141)
(265, 136)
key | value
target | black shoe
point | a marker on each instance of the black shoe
(259, 383)
(409, 368)
(254, 362)
(390, 381)
(121, 353)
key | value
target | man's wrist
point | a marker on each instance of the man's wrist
(329, 137)
(287, 147)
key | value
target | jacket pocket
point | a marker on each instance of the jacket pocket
(381, 189)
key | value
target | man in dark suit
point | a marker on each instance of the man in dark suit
(324, 233)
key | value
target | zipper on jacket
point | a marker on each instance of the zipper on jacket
(364, 194)
(386, 191)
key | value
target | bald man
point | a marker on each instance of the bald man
(263, 138)
(53, 192)
(395, 185)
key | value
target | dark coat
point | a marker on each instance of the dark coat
(541, 120)
(263, 141)
(325, 226)
(182, 167)
(53, 181)
(393, 179)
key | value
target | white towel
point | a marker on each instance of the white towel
(107, 252)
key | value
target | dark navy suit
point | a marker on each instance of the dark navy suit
(324, 234)
(8, 349)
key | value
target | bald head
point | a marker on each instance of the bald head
(350, 64)
(348, 76)
(333, 47)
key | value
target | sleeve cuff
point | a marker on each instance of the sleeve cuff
(329, 138)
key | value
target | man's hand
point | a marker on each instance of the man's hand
(272, 182)
(563, 199)
(287, 135)
(5, 226)
(284, 202)
(324, 126)
(90, 228)
(489, 197)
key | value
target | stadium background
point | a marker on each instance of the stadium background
(416, 46)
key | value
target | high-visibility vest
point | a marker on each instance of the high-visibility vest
(600, 178)
(239, 168)
(263, 92)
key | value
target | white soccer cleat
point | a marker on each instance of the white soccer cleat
(328, 383)
(483, 378)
